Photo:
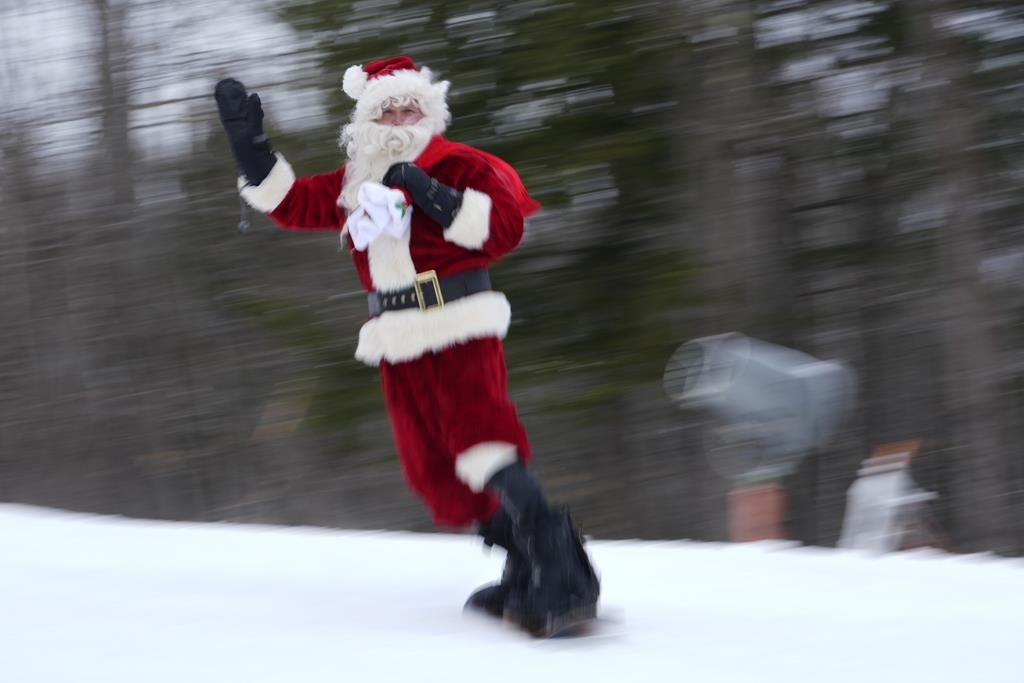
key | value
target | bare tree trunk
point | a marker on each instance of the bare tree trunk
(735, 207)
(114, 63)
(970, 353)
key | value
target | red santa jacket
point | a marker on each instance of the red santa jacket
(488, 226)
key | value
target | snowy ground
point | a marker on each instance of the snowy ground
(85, 598)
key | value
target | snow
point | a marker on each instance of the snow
(87, 598)
(826, 20)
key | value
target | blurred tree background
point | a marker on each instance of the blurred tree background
(840, 177)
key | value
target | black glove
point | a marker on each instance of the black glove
(242, 117)
(437, 200)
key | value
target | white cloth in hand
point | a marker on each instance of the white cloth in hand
(381, 210)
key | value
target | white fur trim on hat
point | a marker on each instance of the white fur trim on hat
(432, 97)
(399, 336)
(472, 225)
(354, 82)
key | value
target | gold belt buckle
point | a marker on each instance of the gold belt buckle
(428, 276)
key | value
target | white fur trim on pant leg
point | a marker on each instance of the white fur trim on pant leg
(472, 224)
(399, 336)
(271, 192)
(476, 465)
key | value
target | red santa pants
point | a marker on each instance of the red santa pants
(442, 404)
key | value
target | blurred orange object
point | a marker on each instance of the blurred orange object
(757, 513)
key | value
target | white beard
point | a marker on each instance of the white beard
(372, 148)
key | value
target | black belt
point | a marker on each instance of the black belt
(429, 291)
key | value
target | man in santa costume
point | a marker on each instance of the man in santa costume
(423, 218)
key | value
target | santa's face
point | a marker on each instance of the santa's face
(400, 133)
(400, 115)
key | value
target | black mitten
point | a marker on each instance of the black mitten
(242, 116)
(437, 200)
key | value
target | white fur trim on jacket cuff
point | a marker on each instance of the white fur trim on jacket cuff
(398, 336)
(271, 192)
(472, 224)
(476, 465)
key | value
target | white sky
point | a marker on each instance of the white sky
(105, 599)
(178, 50)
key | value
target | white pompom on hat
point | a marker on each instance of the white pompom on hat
(354, 82)
(395, 78)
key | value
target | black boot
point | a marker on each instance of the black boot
(562, 589)
(491, 598)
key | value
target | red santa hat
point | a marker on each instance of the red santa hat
(375, 83)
